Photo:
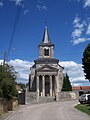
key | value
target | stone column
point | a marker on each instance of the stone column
(43, 85)
(57, 88)
(37, 85)
(50, 85)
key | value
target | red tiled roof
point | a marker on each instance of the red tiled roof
(81, 88)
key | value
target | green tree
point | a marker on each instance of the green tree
(86, 62)
(7, 81)
(66, 84)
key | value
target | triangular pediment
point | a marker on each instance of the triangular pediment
(46, 68)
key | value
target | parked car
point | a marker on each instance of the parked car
(83, 98)
(88, 100)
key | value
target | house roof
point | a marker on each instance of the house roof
(78, 88)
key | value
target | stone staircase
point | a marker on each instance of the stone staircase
(46, 99)
(31, 98)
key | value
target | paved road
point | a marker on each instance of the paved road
(50, 111)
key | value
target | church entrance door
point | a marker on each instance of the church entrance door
(47, 85)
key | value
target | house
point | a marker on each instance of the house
(81, 89)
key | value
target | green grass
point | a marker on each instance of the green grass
(84, 108)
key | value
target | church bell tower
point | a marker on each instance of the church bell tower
(46, 47)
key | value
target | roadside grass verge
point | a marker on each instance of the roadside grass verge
(84, 108)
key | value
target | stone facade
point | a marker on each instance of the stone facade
(68, 95)
(46, 78)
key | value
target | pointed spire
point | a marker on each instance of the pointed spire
(46, 39)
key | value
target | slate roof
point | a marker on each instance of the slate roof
(46, 60)
(46, 39)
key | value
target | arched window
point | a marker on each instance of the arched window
(46, 52)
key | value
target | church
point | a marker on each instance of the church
(46, 77)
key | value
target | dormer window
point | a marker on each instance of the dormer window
(46, 52)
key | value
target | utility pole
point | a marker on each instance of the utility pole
(4, 59)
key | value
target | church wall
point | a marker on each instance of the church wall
(60, 82)
(39, 65)
(32, 83)
(54, 65)
(32, 71)
(41, 52)
(31, 97)
(51, 64)
(46, 73)
(69, 95)
(52, 51)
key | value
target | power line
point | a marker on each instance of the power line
(14, 29)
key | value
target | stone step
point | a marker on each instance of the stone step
(31, 97)
(46, 99)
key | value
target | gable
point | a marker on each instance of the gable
(47, 68)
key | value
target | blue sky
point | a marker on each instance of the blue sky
(22, 25)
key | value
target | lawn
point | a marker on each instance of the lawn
(84, 108)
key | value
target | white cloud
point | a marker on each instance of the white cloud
(87, 3)
(17, 2)
(68, 64)
(76, 20)
(1, 4)
(88, 30)
(79, 29)
(23, 68)
(76, 33)
(75, 72)
(88, 39)
(44, 7)
(26, 11)
(41, 5)
(79, 40)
